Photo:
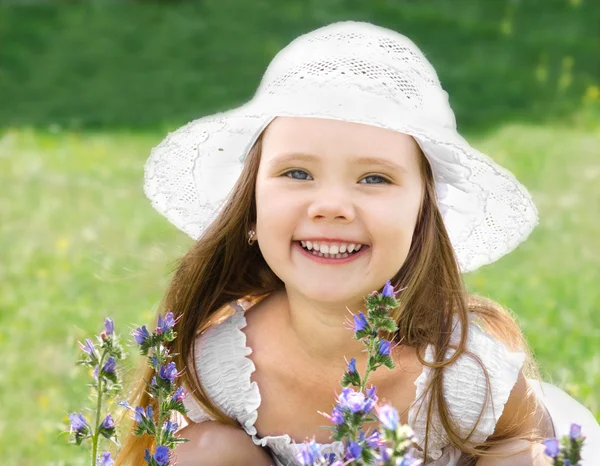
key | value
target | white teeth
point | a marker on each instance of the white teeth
(332, 249)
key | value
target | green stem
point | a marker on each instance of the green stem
(159, 439)
(95, 437)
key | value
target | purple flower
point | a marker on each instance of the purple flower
(309, 454)
(169, 426)
(109, 367)
(125, 405)
(360, 322)
(384, 348)
(109, 326)
(337, 417)
(88, 347)
(154, 361)
(105, 460)
(161, 456)
(372, 441)
(179, 394)
(353, 451)
(166, 324)
(352, 400)
(108, 422)
(388, 290)
(385, 454)
(140, 335)
(168, 372)
(388, 416)
(78, 423)
(95, 373)
(352, 366)
(552, 447)
(140, 415)
(575, 431)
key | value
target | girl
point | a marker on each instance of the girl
(345, 170)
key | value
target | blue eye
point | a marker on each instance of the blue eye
(302, 171)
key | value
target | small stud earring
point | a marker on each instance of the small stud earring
(251, 239)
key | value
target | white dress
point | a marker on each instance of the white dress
(225, 371)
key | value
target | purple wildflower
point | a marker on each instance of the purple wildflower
(575, 431)
(372, 441)
(161, 456)
(140, 335)
(179, 394)
(388, 416)
(109, 326)
(95, 373)
(105, 460)
(140, 415)
(310, 454)
(352, 400)
(384, 348)
(371, 399)
(125, 405)
(88, 347)
(360, 322)
(109, 367)
(168, 372)
(388, 290)
(154, 360)
(552, 447)
(166, 324)
(169, 426)
(352, 366)
(108, 422)
(78, 422)
(353, 451)
(337, 417)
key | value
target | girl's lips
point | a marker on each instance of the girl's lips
(331, 261)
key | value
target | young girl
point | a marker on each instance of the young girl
(345, 170)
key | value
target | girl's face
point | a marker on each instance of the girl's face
(336, 195)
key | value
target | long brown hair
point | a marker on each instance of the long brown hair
(221, 268)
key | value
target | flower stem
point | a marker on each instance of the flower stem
(95, 437)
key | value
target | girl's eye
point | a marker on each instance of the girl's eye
(302, 171)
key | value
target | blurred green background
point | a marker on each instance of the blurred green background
(88, 88)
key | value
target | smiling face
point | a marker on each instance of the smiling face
(336, 195)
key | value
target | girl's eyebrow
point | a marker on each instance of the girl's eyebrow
(360, 160)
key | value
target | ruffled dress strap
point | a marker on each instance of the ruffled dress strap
(225, 371)
(465, 388)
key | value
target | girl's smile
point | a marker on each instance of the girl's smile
(327, 258)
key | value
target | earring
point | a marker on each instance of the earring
(251, 239)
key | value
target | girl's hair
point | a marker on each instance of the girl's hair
(221, 268)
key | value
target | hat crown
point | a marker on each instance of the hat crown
(359, 57)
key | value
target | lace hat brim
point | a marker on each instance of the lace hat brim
(190, 174)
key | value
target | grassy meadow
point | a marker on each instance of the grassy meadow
(81, 242)
(87, 88)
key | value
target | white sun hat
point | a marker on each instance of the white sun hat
(357, 72)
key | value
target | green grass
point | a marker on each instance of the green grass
(81, 242)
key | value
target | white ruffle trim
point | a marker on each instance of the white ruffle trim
(465, 387)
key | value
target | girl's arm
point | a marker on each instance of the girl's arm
(515, 422)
